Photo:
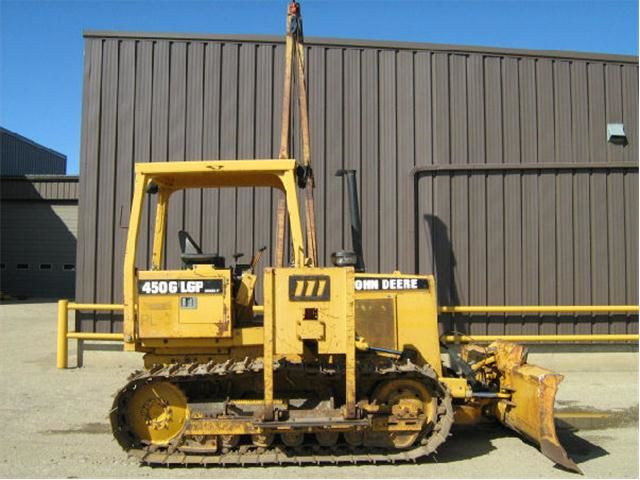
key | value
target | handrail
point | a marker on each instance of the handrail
(64, 335)
(539, 309)
(464, 338)
(468, 309)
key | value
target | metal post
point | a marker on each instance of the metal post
(350, 340)
(63, 319)
(80, 353)
(268, 344)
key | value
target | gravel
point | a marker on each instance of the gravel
(55, 421)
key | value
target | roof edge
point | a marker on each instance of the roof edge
(40, 178)
(354, 43)
(33, 143)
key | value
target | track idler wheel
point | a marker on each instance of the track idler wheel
(407, 399)
(156, 412)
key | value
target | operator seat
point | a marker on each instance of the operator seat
(191, 254)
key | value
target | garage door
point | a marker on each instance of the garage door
(38, 249)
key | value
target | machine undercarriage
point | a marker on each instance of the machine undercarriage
(211, 413)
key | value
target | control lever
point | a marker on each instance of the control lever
(256, 258)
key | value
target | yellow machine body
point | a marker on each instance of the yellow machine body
(330, 351)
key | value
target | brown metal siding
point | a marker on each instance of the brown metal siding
(39, 187)
(492, 237)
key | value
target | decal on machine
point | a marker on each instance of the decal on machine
(303, 288)
(391, 283)
(176, 287)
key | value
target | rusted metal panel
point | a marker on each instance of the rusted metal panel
(382, 108)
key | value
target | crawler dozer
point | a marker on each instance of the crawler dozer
(336, 365)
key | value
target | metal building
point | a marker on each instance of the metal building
(38, 220)
(38, 229)
(489, 167)
(21, 156)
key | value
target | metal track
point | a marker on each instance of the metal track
(242, 455)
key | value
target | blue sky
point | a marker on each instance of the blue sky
(41, 43)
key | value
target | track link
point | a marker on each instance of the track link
(244, 455)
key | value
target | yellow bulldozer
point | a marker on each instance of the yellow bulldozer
(336, 365)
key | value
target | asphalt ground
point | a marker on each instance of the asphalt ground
(54, 422)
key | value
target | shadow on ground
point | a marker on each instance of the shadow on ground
(470, 442)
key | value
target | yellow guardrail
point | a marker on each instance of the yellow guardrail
(609, 337)
(464, 338)
(64, 335)
(541, 309)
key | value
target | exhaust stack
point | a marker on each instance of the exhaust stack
(354, 213)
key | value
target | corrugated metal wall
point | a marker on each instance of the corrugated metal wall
(38, 231)
(21, 156)
(396, 113)
(39, 187)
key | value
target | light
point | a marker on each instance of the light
(344, 258)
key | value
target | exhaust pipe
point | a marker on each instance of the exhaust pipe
(354, 213)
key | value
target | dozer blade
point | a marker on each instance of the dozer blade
(529, 412)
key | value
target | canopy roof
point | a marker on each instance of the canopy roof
(218, 173)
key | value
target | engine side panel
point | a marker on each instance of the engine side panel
(193, 303)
